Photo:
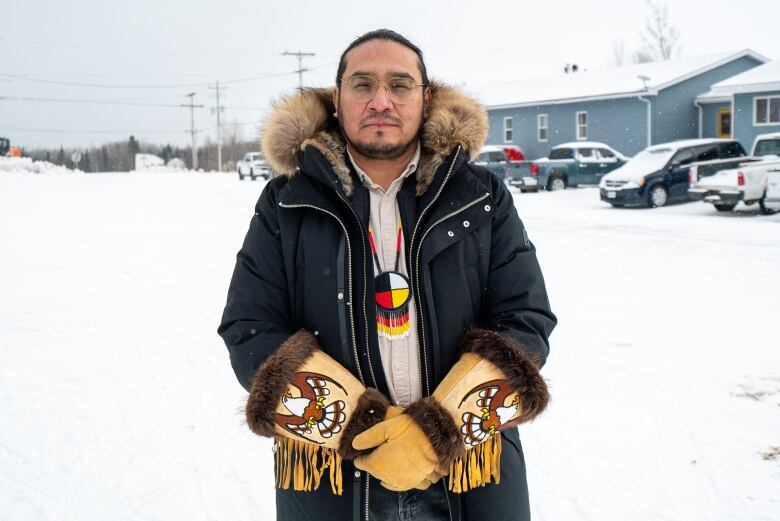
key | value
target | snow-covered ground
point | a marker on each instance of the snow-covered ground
(117, 401)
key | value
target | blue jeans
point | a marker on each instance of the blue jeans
(414, 505)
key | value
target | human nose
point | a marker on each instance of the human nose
(380, 101)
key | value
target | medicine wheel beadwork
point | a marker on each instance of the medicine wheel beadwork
(392, 292)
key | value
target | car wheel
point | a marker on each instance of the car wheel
(764, 209)
(556, 183)
(725, 207)
(658, 196)
(251, 174)
(614, 205)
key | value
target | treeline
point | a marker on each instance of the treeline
(119, 156)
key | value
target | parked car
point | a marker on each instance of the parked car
(748, 182)
(569, 164)
(254, 166)
(505, 161)
(661, 173)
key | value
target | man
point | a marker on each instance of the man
(387, 312)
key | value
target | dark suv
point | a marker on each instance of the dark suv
(661, 173)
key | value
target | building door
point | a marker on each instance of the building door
(723, 124)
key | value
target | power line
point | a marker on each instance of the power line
(154, 52)
(90, 101)
(155, 86)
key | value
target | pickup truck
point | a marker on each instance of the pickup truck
(505, 161)
(254, 166)
(569, 164)
(749, 181)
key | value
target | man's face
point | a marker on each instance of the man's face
(378, 128)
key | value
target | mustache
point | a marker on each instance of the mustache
(385, 119)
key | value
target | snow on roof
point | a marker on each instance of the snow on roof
(603, 84)
(762, 78)
(682, 143)
(582, 144)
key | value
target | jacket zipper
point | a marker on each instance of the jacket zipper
(418, 305)
(349, 278)
(351, 315)
(417, 274)
(365, 287)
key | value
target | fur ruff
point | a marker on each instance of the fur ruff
(306, 118)
(519, 370)
(271, 380)
(370, 410)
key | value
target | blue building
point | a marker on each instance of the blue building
(628, 108)
(751, 99)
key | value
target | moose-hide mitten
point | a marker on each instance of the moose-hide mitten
(493, 386)
(314, 407)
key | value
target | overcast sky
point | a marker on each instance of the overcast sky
(181, 47)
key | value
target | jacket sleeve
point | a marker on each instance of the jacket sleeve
(516, 302)
(257, 315)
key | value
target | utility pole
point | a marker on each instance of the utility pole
(218, 109)
(192, 107)
(301, 70)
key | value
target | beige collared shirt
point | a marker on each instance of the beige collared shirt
(400, 356)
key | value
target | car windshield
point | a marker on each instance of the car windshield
(651, 159)
(767, 147)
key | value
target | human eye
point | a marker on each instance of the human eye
(401, 85)
(361, 84)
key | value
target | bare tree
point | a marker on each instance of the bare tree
(618, 53)
(661, 39)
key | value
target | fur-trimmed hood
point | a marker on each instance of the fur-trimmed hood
(306, 118)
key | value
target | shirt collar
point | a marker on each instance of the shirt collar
(366, 180)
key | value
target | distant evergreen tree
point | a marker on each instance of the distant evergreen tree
(85, 165)
(167, 153)
(47, 157)
(133, 148)
(104, 165)
(61, 157)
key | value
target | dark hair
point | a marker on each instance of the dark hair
(383, 34)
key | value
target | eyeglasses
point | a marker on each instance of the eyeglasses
(400, 90)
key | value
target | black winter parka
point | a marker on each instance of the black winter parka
(306, 263)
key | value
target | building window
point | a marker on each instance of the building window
(582, 125)
(541, 125)
(508, 130)
(767, 110)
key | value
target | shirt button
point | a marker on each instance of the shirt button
(487, 207)
(340, 296)
(466, 224)
(451, 233)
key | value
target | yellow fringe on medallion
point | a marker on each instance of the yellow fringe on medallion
(477, 467)
(303, 464)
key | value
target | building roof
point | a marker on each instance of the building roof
(604, 84)
(763, 78)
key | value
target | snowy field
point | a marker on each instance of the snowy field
(117, 401)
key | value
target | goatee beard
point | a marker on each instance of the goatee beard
(380, 151)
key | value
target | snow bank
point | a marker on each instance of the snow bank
(25, 165)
